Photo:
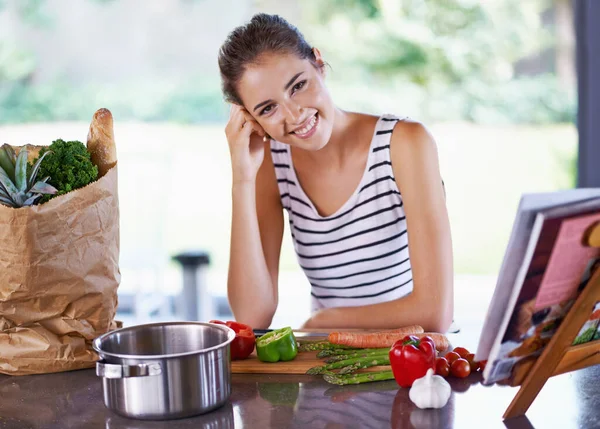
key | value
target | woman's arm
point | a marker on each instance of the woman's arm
(431, 304)
(256, 235)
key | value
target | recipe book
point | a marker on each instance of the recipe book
(545, 268)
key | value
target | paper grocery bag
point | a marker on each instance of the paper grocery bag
(59, 274)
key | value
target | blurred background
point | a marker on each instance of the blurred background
(494, 80)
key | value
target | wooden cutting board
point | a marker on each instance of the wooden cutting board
(301, 363)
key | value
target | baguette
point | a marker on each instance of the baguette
(101, 141)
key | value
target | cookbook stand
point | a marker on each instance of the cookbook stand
(560, 356)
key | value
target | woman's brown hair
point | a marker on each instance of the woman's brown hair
(245, 44)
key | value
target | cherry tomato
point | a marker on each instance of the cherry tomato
(481, 365)
(462, 352)
(460, 368)
(451, 357)
(442, 367)
(471, 359)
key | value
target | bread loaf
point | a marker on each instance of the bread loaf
(101, 141)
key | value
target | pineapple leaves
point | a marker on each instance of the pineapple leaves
(3, 192)
(21, 171)
(43, 188)
(7, 183)
(29, 201)
(6, 161)
(23, 190)
(11, 153)
(36, 169)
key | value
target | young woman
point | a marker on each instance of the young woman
(364, 195)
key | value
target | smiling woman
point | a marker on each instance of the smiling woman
(363, 193)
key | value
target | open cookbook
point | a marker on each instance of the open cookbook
(545, 267)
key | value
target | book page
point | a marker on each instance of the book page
(568, 260)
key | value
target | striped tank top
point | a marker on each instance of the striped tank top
(358, 255)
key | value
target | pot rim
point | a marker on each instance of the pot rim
(97, 342)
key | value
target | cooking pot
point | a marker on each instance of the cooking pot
(163, 371)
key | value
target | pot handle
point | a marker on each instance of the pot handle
(111, 370)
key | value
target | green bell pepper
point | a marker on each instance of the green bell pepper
(277, 345)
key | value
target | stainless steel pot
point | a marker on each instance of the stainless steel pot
(166, 370)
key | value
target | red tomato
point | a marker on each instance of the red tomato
(442, 367)
(460, 368)
(471, 359)
(243, 344)
(462, 352)
(481, 365)
(451, 357)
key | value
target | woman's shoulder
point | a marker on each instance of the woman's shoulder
(406, 133)
(410, 134)
(412, 145)
(390, 119)
(368, 123)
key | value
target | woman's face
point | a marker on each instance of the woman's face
(287, 97)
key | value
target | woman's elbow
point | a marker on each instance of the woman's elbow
(441, 320)
(257, 318)
(256, 321)
(441, 325)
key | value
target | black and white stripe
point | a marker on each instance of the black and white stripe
(358, 255)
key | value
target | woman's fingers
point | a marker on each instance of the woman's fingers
(236, 118)
(252, 127)
(257, 128)
(245, 156)
(240, 121)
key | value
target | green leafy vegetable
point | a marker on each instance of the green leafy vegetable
(69, 166)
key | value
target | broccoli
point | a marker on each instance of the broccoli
(69, 167)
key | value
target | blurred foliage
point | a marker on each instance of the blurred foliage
(458, 54)
(16, 63)
(154, 100)
(434, 59)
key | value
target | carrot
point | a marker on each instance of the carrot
(440, 340)
(384, 339)
(372, 339)
(416, 329)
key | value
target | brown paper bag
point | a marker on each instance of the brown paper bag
(59, 274)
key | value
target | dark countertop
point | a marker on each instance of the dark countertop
(74, 400)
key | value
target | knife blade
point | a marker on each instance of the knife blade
(297, 333)
(454, 329)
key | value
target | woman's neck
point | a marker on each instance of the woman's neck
(340, 144)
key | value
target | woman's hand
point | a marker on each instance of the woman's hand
(246, 146)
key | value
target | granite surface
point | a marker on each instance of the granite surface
(74, 400)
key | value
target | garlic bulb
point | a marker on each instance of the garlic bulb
(430, 391)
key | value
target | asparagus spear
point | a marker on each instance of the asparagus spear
(365, 377)
(360, 353)
(320, 345)
(366, 363)
(343, 351)
(347, 362)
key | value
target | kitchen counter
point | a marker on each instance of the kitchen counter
(74, 400)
